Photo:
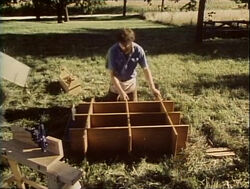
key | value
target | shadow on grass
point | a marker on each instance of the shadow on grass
(54, 119)
(222, 82)
(54, 88)
(95, 42)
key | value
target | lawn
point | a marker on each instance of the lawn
(208, 82)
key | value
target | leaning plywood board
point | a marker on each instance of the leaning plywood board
(13, 70)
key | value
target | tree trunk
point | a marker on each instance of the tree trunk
(124, 7)
(66, 14)
(162, 5)
(59, 8)
(199, 27)
(37, 13)
(37, 10)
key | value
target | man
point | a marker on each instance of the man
(122, 60)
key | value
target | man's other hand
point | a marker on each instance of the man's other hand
(123, 96)
(157, 93)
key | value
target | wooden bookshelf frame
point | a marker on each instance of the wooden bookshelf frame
(130, 127)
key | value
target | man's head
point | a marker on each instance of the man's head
(125, 38)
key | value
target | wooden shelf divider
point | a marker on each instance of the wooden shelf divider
(130, 137)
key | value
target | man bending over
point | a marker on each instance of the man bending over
(122, 60)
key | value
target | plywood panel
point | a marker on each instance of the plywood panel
(13, 70)
(108, 140)
(79, 122)
(77, 139)
(144, 107)
(108, 120)
(219, 152)
(109, 108)
(151, 140)
(182, 131)
(169, 105)
(55, 145)
(148, 119)
(174, 140)
(83, 108)
(175, 117)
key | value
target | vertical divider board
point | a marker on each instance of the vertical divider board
(174, 134)
(78, 126)
(88, 126)
(129, 129)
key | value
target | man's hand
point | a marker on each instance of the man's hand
(149, 78)
(123, 96)
(157, 93)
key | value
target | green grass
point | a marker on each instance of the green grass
(208, 82)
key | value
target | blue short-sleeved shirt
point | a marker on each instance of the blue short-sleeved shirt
(124, 66)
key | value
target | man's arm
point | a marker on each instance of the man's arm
(150, 81)
(116, 82)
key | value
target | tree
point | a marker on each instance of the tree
(39, 6)
(5, 2)
(189, 6)
(199, 29)
(60, 7)
(243, 1)
(162, 5)
(45, 5)
(124, 10)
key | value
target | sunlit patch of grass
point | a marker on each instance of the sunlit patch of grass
(190, 18)
(169, 6)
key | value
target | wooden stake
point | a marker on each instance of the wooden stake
(87, 126)
(129, 129)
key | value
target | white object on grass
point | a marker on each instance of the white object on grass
(13, 70)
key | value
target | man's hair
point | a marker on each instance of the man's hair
(126, 35)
